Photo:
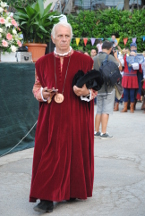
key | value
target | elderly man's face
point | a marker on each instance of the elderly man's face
(62, 39)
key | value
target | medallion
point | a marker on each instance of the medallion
(59, 98)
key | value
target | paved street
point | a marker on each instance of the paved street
(119, 182)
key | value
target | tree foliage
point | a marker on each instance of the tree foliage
(19, 3)
(22, 3)
(102, 24)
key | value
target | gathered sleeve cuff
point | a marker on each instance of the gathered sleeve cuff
(37, 89)
(89, 97)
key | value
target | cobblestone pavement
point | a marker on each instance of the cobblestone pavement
(119, 181)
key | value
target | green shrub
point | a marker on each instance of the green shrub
(101, 24)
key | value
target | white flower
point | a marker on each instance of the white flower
(8, 22)
(1, 9)
(21, 36)
(14, 31)
(4, 4)
(13, 48)
(11, 14)
(8, 27)
(8, 19)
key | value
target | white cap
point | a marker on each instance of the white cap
(63, 18)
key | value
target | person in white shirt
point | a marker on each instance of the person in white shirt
(99, 46)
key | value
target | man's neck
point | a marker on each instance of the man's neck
(106, 51)
(62, 52)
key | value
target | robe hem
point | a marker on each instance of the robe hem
(32, 199)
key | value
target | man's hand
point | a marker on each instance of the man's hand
(81, 91)
(48, 93)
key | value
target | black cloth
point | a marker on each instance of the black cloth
(93, 79)
(18, 107)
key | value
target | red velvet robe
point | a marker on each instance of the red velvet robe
(63, 162)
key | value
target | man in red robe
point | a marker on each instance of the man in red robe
(63, 162)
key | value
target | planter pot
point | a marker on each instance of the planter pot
(8, 57)
(37, 50)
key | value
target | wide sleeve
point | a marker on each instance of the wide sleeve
(37, 88)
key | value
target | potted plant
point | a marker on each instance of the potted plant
(9, 31)
(36, 23)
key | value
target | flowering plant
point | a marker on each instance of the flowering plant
(9, 30)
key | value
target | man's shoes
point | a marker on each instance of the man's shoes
(97, 134)
(71, 200)
(44, 206)
(105, 136)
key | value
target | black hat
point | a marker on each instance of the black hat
(93, 79)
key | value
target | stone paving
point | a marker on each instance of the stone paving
(119, 181)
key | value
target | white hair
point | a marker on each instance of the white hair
(65, 24)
